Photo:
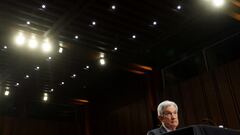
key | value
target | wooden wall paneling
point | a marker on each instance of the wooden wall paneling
(186, 92)
(226, 98)
(212, 99)
(234, 78)
(198, 100)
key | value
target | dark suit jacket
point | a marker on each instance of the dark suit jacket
(157, 131)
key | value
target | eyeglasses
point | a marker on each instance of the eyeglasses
(169, 114)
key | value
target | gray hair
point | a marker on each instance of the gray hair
(163, 105)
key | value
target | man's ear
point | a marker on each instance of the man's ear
(160, 118)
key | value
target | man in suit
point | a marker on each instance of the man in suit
(168, 116)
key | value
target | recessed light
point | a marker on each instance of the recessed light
(179, 7)
(43, 6)
(133, 36)
(93, 23)
(113, 7)
(154, 23)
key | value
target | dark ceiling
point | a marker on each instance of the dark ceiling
(177, 33)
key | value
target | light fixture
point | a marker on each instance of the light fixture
(5, 47)
(102, 55)
(154, 23)
(51, 90)
(43, 6)
(45, 96)
(115, 48)
(17, 84)
(218, 3)
(27, 76)
(62, 83)
(37, 68)
(49, 58)
(20, 39)
(102, 61)
(60, 50)
(93, 23)
(133, 36)
(6, 93)
(179, 7)
(74, 76)
(32, 43)
(28, 22)
(76, 36)
(46, 46)
(113, 7)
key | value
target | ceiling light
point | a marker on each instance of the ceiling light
(5, 47)
(33, 42)
(45, 97)
(76, 37)
(17, 84)
(179, 7)
(27, 76)
(28, 22)
(60, 50)
(6, 93)
(49, 58)
(133, 36)
(93, 23)
(218, 3)
(113, 7)
(74, 76)
(154, 23)
(20, 39)
(115, 48)
(62, 83)
(46, 46)
(51, 90)
(43, 6)
(37, 68)
(102, 61)
(102, 55)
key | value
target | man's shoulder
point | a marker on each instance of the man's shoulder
(156, 131)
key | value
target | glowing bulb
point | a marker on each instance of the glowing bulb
(20, 39)
(6, 93)
(46, 46)
(102, 61)
(33, 43)
(218, 3)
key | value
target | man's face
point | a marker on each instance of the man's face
(170, 117)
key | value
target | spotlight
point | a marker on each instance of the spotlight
(6, 93)
(154, 23)
(102, 55)
(27, 76)
(93, 23)
(102, 61)
(113, 7)
(133, 36)
(45, 97)
(37, 68)
(43, 6)
(60, 50)
(218, 3)
(46, 46)
(33, 42)
(20, 39)
(179, 7)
